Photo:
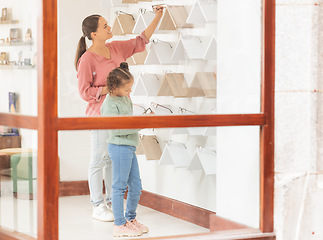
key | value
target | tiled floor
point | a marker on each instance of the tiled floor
(85, 228)
(75, 220)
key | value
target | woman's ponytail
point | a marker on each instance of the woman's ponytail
(89, 25)
(81, 48)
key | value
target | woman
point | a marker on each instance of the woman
(93, 65)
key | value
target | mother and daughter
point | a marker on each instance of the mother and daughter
(104, 81)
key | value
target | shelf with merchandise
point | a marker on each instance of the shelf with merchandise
(9, 22)
(17, 67)
(18, 43)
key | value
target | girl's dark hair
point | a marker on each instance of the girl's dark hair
(118, 77)
(90, 24)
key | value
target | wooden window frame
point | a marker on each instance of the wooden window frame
(48, 124)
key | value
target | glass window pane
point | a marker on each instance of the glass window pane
(207, 63)
(18, 57)
(206, 169)
(18, 200)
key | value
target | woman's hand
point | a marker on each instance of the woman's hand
(152, 26)
(158, 11)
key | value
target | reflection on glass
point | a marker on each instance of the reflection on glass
(18, 63)
(213, 168)
(18, 174)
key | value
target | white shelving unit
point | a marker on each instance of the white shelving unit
(203, 12)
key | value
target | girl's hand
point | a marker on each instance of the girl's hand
(158, 11)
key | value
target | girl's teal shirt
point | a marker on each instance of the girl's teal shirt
(120, 106)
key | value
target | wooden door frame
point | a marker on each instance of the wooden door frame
(48, 124)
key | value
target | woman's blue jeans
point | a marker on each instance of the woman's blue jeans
(125, 174)
(100, 167)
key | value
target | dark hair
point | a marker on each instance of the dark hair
(118, 77)
(90, 24)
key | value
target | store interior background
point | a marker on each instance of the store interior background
(233, 192)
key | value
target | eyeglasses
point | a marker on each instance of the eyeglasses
(146, 110)
(118, 13)
(184, 110)
(156, 105)
(155, 41)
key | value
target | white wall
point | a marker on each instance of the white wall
(298, 131)
(239, 72)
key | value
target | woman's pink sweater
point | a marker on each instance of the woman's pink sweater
(93, 70)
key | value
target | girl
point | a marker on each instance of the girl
(122, 147)
(93, 65)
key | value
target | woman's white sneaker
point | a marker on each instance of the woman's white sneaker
(102, 213)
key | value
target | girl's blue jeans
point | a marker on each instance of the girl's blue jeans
(125, 174)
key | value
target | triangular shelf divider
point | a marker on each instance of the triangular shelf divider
(151, 147)
(188, 48)
(116, 3)
(139, 58)
(152, 57)
(139, 89)
(203, 12)
(209, 9)
(173, 84)
(210, 131)
(208, 160)
(160, 53)
(179, 52)
(152, 83)
(130, 61)
(175, 153)
(140, 150)
(195, 163)
(116, 28)
(179, 16)
(164, 52)
(176, 131)
(123, 24)
(211, 50)
(129, 1)
(195, 89)
(196, 15)
(143, 21)
(167, 22)
(197, 131)
(207, 82)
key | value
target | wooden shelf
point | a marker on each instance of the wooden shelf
(9, 22)
(10, 44)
